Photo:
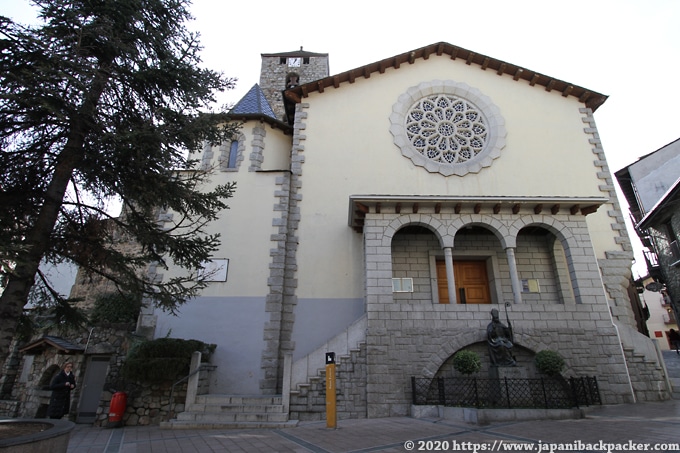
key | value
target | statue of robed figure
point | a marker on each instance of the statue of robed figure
(500, 340)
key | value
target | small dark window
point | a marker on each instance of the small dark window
(233, 153)
(305, 60)
(282, 60)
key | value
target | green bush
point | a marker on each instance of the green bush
(549, 362)
(114, 308)
(163, 359)
(466, 362)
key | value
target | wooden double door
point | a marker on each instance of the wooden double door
(472, 282)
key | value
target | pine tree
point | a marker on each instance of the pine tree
(105, 100)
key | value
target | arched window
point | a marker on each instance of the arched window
(233, 154)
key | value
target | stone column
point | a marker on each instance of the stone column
(448, 259)
(514, 276)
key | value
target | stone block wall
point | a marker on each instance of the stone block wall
(273, 75)
(147, 404)
(412, 336)
(309, 401)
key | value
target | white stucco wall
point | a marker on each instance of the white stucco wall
(349, 150)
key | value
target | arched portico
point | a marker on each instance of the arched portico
(406, 239)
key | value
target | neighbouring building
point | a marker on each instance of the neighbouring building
(651, 186)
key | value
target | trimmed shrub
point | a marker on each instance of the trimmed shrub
(549, 362)
(466, 362)
(163, 359)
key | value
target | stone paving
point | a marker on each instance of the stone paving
(653, 423)
(656, 424)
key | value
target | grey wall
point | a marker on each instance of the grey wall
(319, 320)
(235, 325)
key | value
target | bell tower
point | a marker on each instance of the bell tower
(288, 69)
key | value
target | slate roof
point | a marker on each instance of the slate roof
(295, 53)
(253, 103)
(55, 342)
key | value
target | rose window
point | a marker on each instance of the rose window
(446, 129)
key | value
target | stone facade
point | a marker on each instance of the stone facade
(414, 337)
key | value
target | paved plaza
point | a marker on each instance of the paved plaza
(626, 426)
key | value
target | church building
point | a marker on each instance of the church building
(382, 213)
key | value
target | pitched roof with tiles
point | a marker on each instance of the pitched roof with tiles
(54, 342)
(591, 99)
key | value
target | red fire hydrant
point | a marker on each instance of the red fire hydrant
(117, 407)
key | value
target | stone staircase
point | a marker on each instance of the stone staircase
(672, 361)
(304, 384)
(233, 411)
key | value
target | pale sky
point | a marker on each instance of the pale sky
(626, 49)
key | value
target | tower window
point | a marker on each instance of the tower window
(305, 60)
(282, 60)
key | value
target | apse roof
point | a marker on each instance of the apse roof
(253, 103)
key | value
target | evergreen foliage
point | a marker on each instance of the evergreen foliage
(105, 100)
(115, 308)
(163, 359)
(549, 362)
(467, 362)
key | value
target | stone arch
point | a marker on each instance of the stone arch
(47, 376)
(526, 341)
(559, 229)
(433, 224)
(498, 228)
(448, 348)
(567, 278)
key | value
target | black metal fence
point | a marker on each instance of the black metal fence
(547, 393)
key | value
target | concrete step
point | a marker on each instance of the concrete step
(232, 411)
(241, 408)
(232, 417)
(176, 424)
(215, 398)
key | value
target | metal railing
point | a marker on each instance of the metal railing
(546, 393)
(171, 404)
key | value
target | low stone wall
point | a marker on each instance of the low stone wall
(9, 408)
(147, 404)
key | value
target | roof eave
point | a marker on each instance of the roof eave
(273, 122)
(660, 207)
(591, 99)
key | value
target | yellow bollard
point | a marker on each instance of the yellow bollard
(331, 412)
